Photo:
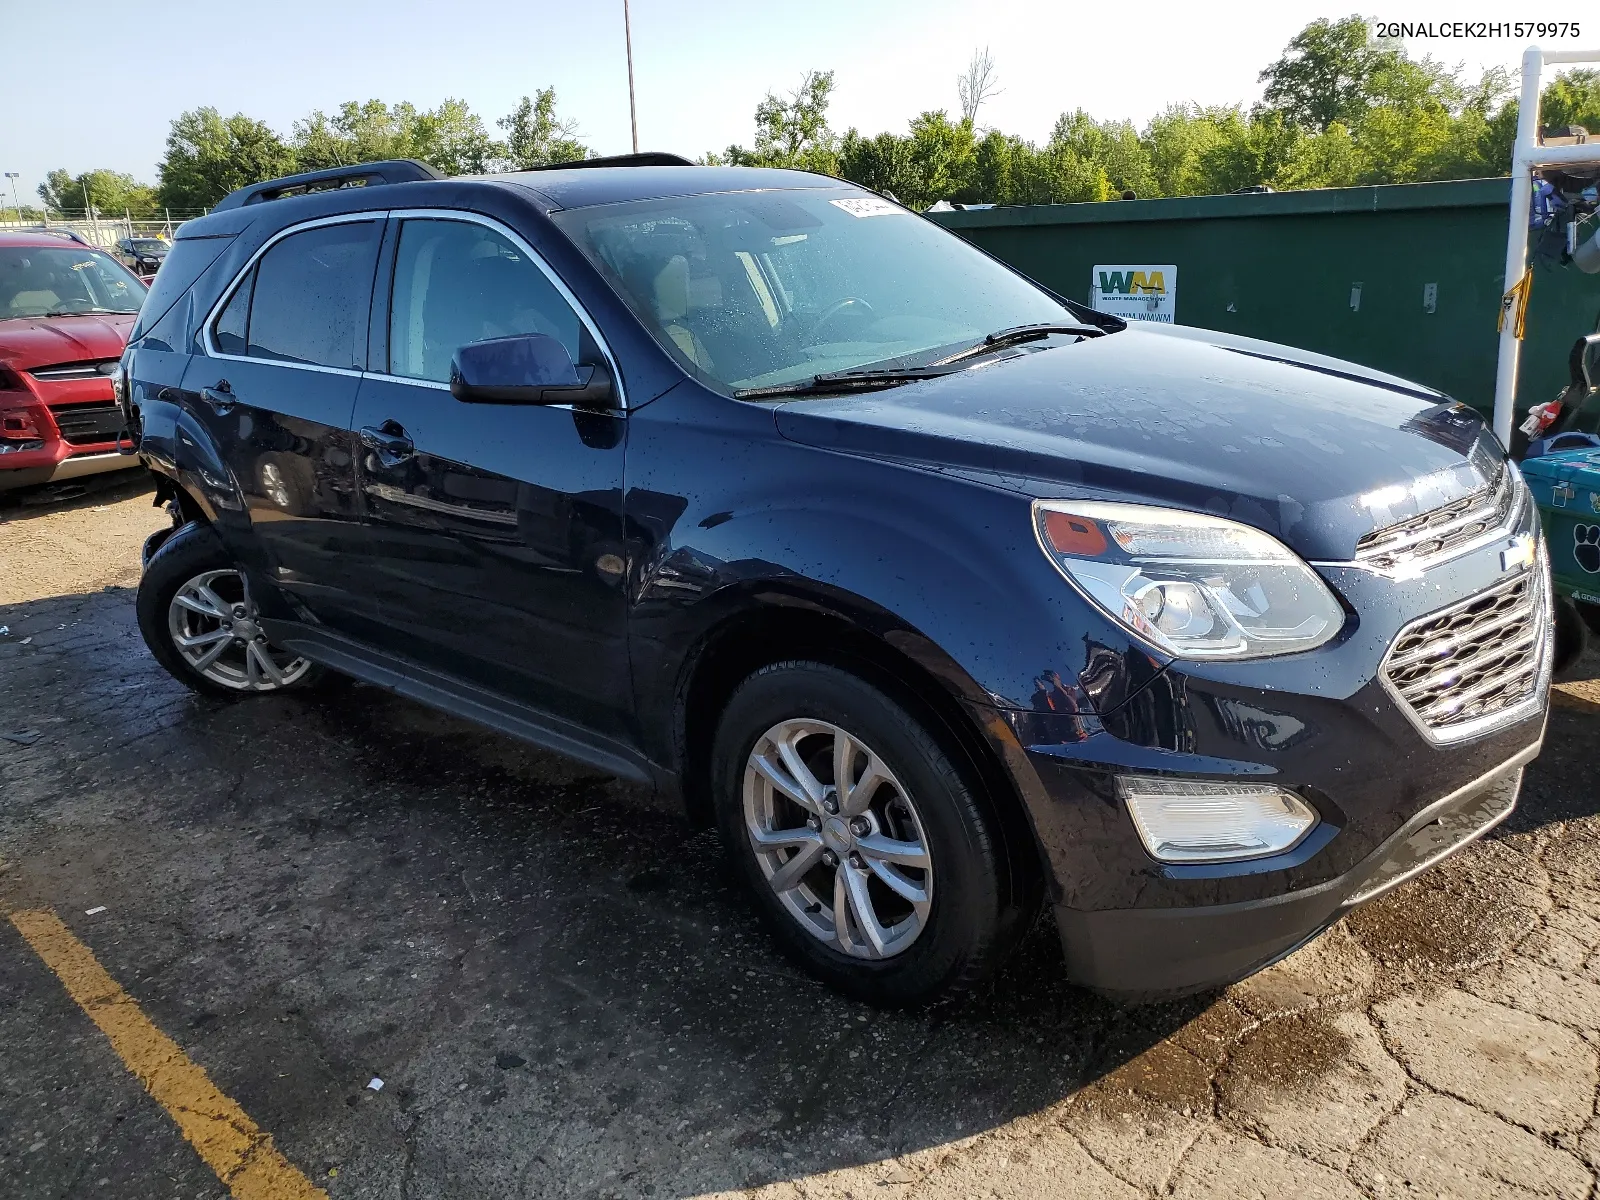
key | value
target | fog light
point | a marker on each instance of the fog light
(1186, 821)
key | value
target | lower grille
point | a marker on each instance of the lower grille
(84, 424)
(1477, 658)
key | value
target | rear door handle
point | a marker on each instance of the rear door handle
(389, 441)
(220, 397)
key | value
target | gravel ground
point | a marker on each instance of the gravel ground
(563, 997)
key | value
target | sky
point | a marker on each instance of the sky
(700, 67)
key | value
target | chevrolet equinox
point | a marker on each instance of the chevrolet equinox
(943, 597)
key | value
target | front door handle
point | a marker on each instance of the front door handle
(389, 442)
(220, 397)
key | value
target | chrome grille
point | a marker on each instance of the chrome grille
(78, 370)
(1428, 538)
(1475, 659)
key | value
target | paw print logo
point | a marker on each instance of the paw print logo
(1586, 547)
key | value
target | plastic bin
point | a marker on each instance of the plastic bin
(1566, 486)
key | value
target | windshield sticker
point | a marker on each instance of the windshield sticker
(868, 206)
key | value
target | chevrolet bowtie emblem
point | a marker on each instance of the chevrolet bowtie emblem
(1519, 554)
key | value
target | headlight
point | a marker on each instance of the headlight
(1192, 585)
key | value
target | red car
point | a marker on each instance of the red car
(65, 312)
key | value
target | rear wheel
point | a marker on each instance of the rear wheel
(873, 862)
(201, 623)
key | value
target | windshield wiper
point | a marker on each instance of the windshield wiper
(82, 312)
(1017, 334)
(834, 382)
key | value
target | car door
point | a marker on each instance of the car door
(496, 529)
(275, 389)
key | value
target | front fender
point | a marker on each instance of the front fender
(725, 514)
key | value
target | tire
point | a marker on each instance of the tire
(195, 553)
(965, 927)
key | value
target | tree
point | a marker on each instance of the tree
(451, 138)
(933, 162)
(1324, 73)
(1572, 99)
(1249, 150)
(1114, 146)
(792, 131)
(1177, 141)
(111, 193)
(976, 84)
(535, 137)
(209, 156)
(1321, 160)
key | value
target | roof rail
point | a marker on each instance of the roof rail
(645, 158)
(395, 170)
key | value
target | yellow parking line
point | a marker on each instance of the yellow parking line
(232, 1145)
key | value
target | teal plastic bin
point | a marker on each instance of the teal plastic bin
(1566, 486)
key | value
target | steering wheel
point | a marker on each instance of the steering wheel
(839, 306)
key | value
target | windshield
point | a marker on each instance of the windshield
(756, 289)
(148, 246)
(41, 281)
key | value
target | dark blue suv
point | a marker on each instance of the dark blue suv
(944, 597)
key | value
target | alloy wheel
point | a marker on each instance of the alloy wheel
(838, 838)
(213, 623)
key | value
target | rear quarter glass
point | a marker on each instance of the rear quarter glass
(185, 263)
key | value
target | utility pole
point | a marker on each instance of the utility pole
(633, 112)
(88, 211)
(15, 203)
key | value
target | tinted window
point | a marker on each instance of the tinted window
(187, 260)
(311, 296)
(456, 282)
(229, 332)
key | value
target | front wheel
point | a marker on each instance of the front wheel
(875, 865)
(200, 621)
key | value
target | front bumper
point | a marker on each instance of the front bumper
(1147, 952)
(74, 467)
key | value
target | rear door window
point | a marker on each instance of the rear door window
(311, 297)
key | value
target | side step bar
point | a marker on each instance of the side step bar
(461, 699)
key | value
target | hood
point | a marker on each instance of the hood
(28, 342)
(1312, 449)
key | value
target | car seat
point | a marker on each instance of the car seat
(671, 295)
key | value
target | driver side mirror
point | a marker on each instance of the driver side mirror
(527, 368)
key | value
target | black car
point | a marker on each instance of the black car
(944, 597)
(143, 256)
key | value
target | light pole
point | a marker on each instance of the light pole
(633, 112)
(15, 203)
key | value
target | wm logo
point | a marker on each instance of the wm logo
(1135, 283)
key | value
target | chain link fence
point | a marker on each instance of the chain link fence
(101, 230)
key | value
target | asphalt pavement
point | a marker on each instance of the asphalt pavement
(562, 994)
